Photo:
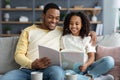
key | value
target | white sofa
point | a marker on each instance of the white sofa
(7, 48)
(8, 45)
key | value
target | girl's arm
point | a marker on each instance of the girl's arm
(93, 37)
(91, 58)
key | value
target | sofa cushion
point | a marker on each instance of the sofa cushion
(110, 40)
(7, 49)
(115, 53)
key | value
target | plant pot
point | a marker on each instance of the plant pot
(8, 32)
(8, 6)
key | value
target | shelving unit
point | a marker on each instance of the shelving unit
(38, 9)
(16, 9)
(34, 11)
(8, 35)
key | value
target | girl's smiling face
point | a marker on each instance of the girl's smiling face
(75, 25)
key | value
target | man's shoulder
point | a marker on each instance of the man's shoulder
(30, 27)
(59, 28)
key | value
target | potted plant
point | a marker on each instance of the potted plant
(7, 29)
(7, 2)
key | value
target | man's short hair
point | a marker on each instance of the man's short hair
(50, 6)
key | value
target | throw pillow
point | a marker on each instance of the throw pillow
(115, 53)
(110, 40)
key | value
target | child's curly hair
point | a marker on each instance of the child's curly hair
(84, 20)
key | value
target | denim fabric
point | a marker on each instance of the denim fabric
(98, 68)
(101, 66)
(50, 73)
(79, 76)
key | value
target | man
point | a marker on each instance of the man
(47, 34)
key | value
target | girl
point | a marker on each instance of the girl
(75, 36)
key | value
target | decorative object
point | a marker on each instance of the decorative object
(62, 16)
(97, 5)
(99, 29)
(21, 7)
(41, 6)
(60, 7)
(94, 18)
(7, 2)
(6, 16)
(7, 29)
(78, 6)
(23, 19)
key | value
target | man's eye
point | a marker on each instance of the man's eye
(50, 17)
(57, 18)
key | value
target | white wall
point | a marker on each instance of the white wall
(108, 16)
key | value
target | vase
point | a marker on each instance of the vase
(8, 6)
(94, 18)
(6, 16)
(8, 32)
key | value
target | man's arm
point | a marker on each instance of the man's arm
(21, 50)
(93, 37)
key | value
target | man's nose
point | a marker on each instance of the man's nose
(54, 20)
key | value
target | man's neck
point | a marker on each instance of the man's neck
(42, 26)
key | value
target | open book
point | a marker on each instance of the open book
(68, 59)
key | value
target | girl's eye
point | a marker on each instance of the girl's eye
(71, 23)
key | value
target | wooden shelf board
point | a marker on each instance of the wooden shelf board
(15, 22)
(39, 9)
(8, 35)
(84, 9)
(29, 9)
(98, 22)
(16, 9)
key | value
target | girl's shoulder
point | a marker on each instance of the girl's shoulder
(87, 38)
(67, 35)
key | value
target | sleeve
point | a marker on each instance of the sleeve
(21, 50)
(90, 47)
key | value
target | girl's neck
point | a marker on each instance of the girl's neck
(75, 34)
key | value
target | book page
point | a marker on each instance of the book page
(52, 54)
(72, 59)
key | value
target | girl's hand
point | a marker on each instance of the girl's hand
(83, 68)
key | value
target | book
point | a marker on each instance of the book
(99, 29)
(67, 58)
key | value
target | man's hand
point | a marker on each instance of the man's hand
(93, 37)
(41, 63)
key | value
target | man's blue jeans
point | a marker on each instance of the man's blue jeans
(98, 68)
(50, 73)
